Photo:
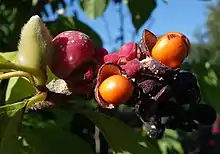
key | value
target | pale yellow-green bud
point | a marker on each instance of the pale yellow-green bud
(35, 41)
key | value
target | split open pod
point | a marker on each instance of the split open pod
(113, 87)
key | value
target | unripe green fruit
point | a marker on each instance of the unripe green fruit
(35, 41)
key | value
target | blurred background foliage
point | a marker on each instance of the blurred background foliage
(203, 61)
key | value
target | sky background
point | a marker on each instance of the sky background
(184, 16)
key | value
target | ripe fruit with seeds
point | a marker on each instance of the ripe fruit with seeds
(116, 89)
(72, 49)
(171, 49)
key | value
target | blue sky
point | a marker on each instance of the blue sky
(178, 15)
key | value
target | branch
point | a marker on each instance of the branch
(121, 28)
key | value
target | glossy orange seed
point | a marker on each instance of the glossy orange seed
(116, 89)
(171, 49)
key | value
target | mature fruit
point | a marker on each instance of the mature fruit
(171, 49)
(116, 89)
(34, 42)
(72, 49)
(185, 39)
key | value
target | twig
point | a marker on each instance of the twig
(107, 30)
(121, 28)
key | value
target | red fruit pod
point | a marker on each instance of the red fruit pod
(132, 67)
(71, 50)
(81, 81)
(127, 52)
(112, 87)
(111, 58)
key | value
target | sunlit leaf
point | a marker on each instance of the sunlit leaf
(18, 89)
(94, 8)
(170, 142)
(5, 64)
(120, 137)
(11, 56)
(140, 10)
(51, 139)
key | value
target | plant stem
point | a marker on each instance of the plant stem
(121, 16)
(37, 98)
(16, 74)
(39, 76)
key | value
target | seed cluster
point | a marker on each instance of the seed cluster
(145, 76)
(164, 97)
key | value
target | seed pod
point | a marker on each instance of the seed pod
(112, 88)
(35, 41)
(151, 66)
(171, 49)
(146, 44)
(128, 51)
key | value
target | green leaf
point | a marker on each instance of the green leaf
(209, 84)
(71, 23)
(140, 11)
(170, 143)
(18, 89)
(50, 139)
(11, 56)
(5, 64)
(94, 8)
(120, 137)
(50, 75)
(165, 1)
(10, 119)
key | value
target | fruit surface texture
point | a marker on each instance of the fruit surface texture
(72, 49)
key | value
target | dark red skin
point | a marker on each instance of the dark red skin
(100, 54)
(72, 49)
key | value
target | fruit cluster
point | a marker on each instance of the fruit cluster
(144, 75)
